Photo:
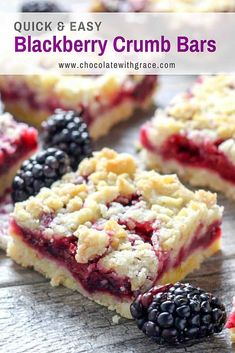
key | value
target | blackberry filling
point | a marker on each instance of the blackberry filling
(91, 276)
(206, 155)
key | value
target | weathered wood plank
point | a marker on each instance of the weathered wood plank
(14, 275)
(39, 318)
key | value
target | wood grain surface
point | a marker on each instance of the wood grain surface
(36, 318)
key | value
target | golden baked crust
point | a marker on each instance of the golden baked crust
(95, 205)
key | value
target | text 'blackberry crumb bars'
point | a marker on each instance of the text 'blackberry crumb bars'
(112, 231)
(104, 100)
(163, 5)
(195, 135)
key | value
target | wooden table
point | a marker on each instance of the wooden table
(36, 318)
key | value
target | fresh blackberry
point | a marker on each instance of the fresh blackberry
(40, 6)
(173, 314)
(67, 131)
(39, 171)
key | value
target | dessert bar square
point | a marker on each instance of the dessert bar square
(162, 5)
(17, 142)
(112, 231)
(195, 135)
(104, 100)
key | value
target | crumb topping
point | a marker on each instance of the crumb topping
(206, 113)
(120, 215)
(91, 243)
(138, 262)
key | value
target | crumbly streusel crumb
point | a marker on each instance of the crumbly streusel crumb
(206, 113)
(210, 105)
(91, 243)
(116, 319)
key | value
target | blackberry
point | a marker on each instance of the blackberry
(176, 313)
(41, 170)
(40, 6)
(67, 131)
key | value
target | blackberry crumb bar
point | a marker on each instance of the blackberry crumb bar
(105, 100)
(17, 142)
(112, 231)
(195, 135)
(163, 5)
